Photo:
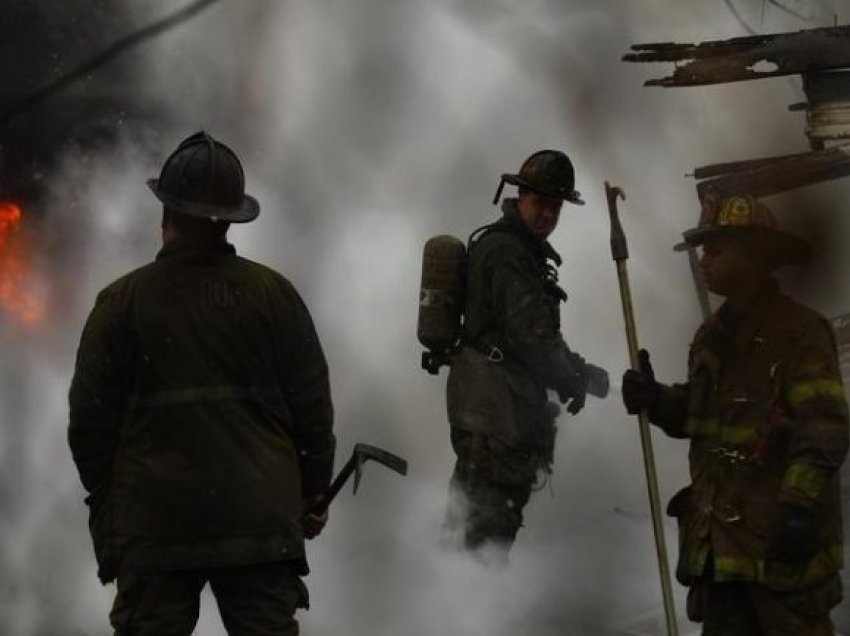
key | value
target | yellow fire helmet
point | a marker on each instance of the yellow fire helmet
(744, 216)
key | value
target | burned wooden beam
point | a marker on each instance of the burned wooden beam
(731, 167)
(764, 177)
(748, 58)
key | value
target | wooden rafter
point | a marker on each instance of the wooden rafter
(748, 58)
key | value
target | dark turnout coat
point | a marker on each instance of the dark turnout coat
(765, 412)
(513, 346)
(200, 414)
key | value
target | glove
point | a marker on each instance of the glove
(576, 392)
(794, 536)
(313, 524)
(640, 390)
(577, 402)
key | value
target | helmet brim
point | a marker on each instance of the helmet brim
(572, 196)
(783, 248)
(246, 211)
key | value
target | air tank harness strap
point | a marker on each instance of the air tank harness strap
(495, 354)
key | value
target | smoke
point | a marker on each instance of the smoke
(365, 128)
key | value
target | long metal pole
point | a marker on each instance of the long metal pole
(620, 253)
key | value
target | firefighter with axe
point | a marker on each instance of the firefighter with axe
(201, 420)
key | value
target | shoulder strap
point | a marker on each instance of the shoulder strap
(484, 230)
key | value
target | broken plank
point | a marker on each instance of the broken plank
(748, 58)
(764, 177)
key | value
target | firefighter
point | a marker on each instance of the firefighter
(201, 419)
(765, 413)
(502, 423)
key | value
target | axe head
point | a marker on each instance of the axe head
(363, 452)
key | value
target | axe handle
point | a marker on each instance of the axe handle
(336, 485)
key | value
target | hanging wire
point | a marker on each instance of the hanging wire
(804, 18)
(105, 56)
(740, 18)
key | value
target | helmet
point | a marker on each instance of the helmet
(742, 215)
(204, 178)
(548, 172)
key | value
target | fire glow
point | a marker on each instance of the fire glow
(16, 299)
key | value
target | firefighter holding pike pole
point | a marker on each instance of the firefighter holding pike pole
(760, 542)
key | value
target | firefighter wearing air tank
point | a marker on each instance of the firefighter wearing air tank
(511, 352)
(765, 413)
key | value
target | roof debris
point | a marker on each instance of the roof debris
(748, 58)
(771, 175)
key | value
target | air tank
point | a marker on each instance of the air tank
(441, 293)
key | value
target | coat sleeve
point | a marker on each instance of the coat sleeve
(819, 427)
(306, 388)
(97, 398)
(671, 410)
(530, 321)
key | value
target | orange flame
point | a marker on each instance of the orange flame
(15, 297)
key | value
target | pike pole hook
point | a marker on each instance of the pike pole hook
(620, 253)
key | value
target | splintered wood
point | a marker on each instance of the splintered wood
(748, 58)
(763, 177)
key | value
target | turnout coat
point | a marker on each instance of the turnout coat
(765, 412)
(513, 347)
(200, 414)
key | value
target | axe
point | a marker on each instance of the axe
(362, 453)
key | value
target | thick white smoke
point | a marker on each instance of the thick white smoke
(365, 128)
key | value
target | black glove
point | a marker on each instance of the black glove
(576, 392)
(794, 536)
(640, 390)
(577, 402)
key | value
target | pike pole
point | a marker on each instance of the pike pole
(620, 253)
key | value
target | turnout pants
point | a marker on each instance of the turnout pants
(489, 488)
(748, 609)
(253, 600)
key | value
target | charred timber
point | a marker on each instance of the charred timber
(745, 58)
(764, 177)
(733, 167)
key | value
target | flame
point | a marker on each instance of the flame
(10, 219)
(16, 298)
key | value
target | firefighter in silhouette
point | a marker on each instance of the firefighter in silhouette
(765, 413)
(502, 423)
(201, 419)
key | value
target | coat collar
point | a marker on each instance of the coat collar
(184, 246)
(724, 329)
(512, 219)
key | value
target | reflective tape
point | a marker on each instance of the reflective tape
(201, 394)
(804, 478)
(735, 568)
(702, 426)
(822, 564)
(738, 433)
(826, 387)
